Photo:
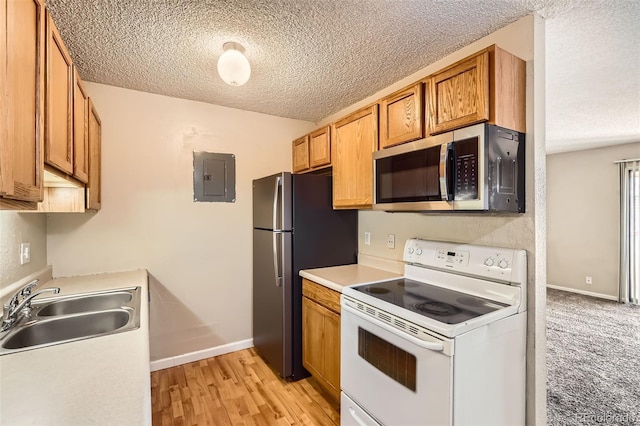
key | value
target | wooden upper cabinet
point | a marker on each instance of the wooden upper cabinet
(300, 151)
(312, 151)
(460, 94)
(401, 116)
(320, 148)
(507, 90)
(80, 129)
(94, 186)
(488, 86)
(59, 102)
(353, 141)
(22, 30)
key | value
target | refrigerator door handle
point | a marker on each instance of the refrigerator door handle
(277, 257)
(276, 198)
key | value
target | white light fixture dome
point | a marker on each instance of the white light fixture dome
(233, 66)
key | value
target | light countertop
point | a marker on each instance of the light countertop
(98, 381)
(338, 277)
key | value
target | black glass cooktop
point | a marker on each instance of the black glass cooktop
(440, 304)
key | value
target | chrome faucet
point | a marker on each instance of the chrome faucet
(11, 310)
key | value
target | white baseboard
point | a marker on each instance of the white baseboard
(161, 364)
(586, 293)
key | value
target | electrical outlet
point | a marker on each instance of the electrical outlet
(25, 253)
(367, 238)
(589, 280)
(391, 241)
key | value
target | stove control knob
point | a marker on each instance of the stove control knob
(410, 250)
(419, 251)
(503, 264)
(489, 262)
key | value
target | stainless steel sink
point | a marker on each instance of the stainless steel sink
(86, 303)
(70, 318)
(68, 328)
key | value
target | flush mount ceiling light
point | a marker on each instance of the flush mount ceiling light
(233, 66)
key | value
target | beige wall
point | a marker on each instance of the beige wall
(523, 38)
(16, 228)
(583, 218)
(198, 254)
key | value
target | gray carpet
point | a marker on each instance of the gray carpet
(593, 360)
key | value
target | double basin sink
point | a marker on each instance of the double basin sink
(69, 318)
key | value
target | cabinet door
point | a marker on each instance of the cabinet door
(508, 86)
(59, 81)
(300, 154)
(80, 129)
(401, 116)
(320, 148)
(312, 336)
(94, 196)
(353, 141)
(321, 345)
(332, 351)
(460, 94)
(22, 102)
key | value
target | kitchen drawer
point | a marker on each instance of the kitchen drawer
(321, 294)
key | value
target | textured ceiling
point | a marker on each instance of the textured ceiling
(593, 74)
(311, 58)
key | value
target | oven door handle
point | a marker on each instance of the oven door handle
(433, 346)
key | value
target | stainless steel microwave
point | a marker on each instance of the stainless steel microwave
(480, 167)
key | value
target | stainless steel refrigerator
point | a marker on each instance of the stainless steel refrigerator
(294, 228)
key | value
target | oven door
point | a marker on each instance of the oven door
(394, 377)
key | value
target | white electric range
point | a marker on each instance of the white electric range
(444, 345)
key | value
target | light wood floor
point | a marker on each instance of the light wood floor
(236, 389)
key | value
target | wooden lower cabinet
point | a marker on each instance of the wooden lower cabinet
(321, 335)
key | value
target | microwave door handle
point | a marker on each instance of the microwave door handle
(445, 171)
(438, 347)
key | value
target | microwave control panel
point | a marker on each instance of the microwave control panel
(466, 169)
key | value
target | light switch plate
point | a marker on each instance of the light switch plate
(25, 253)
